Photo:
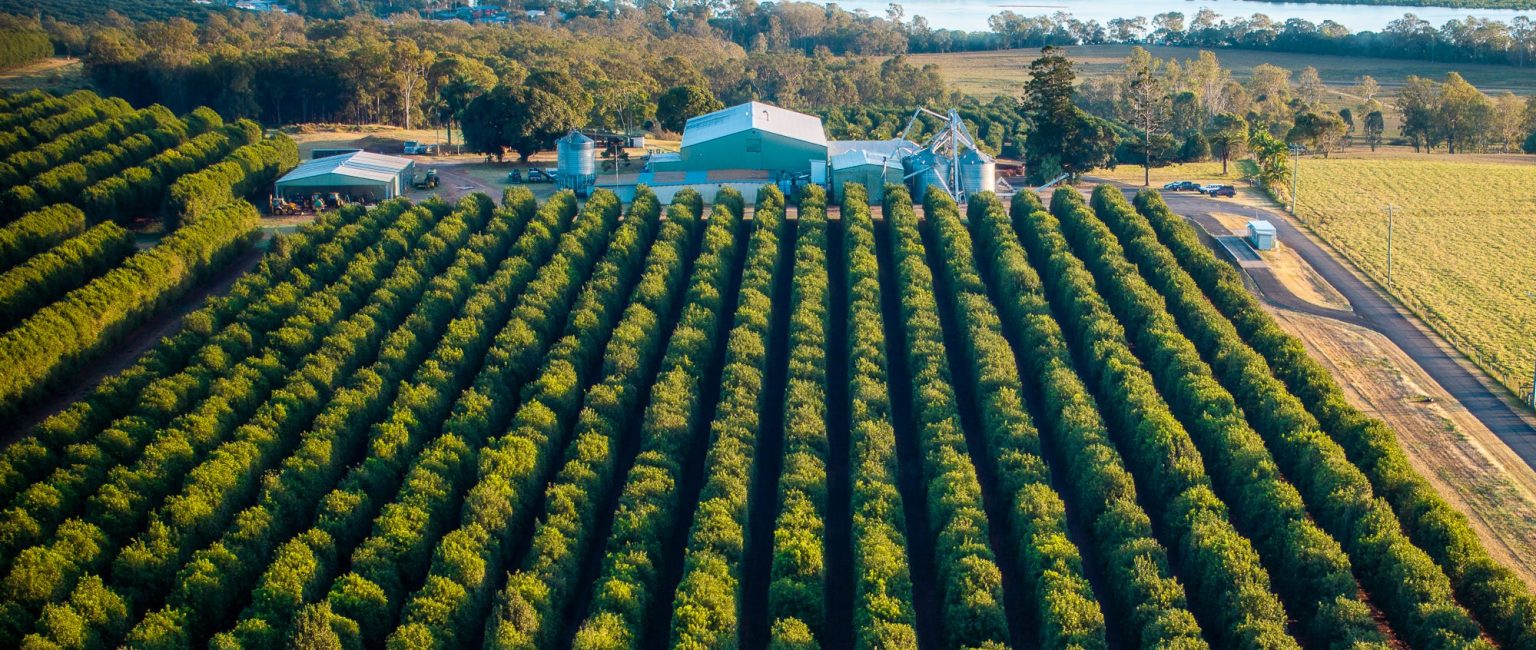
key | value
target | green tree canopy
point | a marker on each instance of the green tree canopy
(682, 102)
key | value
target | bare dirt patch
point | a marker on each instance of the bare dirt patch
(1295, 273)
(1464, 461)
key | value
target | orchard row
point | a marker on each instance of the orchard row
(571, 425)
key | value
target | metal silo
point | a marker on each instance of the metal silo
(576, 163)
(926, 168)
(978, 173)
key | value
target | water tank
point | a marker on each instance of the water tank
(576, 163)
(926, 168)
(978, 173)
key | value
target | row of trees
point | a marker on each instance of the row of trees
(178, 370)
(63, 335)
(645, 523)
(141, 190)
(167, 377)
(882, 601)
(1385, 560)
(65, 182)
(37, 231)
(969, 578)
(706, 611)
(798, 574)
(208, 587)
(1500, 601)
(115, 495)
(46, 129)
(25, 113)
(289, 599)
(153, 568)
(20, 46)
(395, 557)
(469, 562)
(1064, 608)
(1311, 571)
(1140, 583)
(1458, 116)
(40, 280)
(1229, 589)
(23, 166)
(243, 172)
(529, 610)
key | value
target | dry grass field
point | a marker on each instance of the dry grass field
(1003, 72)
(1462, 245)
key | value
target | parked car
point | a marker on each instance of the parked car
(1180, 186)
(1206, 189)
(1222, 190)
(540, 176)
(515, 176)
(413, 147)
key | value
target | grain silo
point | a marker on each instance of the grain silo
(576, 163)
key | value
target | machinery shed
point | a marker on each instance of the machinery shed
(871, 168)
(753, 135)
(362, 176)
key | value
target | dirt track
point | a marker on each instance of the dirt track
(1459, 456)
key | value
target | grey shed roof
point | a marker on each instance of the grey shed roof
(754, 115)
(893, 148)
(861, 157)
(360, 164)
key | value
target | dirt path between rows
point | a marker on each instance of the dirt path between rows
(126, 351)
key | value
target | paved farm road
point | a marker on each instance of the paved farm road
(1372, 309)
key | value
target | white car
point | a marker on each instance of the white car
(1207, 189)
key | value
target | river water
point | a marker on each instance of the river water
(971, 15)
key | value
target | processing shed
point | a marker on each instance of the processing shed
(360, 176)
(753, 135)
(873, 163)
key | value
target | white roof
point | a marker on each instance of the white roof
(358, 164)
(1261, 226)
(861, 157)
(754, 115)
(894, 147)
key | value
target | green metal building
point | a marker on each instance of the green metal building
(753, 135)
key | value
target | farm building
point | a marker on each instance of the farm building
(870, 162)
(752, 144)
(753, 135)
(364, 176)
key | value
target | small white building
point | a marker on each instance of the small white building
(1261, 234)
(363, 176)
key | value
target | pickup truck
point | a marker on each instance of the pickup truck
(413, 147)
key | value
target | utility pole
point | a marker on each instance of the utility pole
(1296, 150)
(1531, 397)
(1390, 209)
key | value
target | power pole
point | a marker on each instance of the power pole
(1390, 209)
(1296, 150)
(1531, 397)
